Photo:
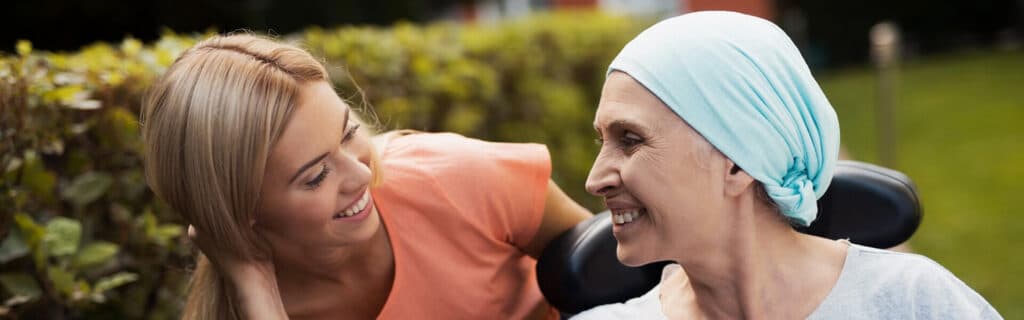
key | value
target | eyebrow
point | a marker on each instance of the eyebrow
(621, 124)
(306, 166)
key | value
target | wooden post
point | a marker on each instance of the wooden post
(885, 52)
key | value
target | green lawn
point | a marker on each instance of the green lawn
(960, 137)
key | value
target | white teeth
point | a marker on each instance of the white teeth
(358, 206)
(626, 217)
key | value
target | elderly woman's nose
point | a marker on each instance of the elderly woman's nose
(602, 178)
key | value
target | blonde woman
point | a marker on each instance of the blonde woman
(300, 213)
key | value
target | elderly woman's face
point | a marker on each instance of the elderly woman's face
(662, 181)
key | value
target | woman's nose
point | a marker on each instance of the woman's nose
(355, 175)
(602, 178)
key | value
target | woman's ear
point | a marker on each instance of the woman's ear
(737, 181)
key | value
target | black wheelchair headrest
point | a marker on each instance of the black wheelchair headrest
(868, 204)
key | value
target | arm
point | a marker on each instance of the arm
(250, 285)
(255, 294)
(560, 214)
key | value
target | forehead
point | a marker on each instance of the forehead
(313, 128)
(623, 99)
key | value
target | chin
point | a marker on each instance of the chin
(631, 258)
(368, 229)
(350, 236)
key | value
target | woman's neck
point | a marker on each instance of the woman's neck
(763, 269)
(366, 260)
(321, 282)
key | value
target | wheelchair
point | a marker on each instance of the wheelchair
(867, 204)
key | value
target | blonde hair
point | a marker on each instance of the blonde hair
(209, 125)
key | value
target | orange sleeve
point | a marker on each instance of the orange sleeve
(499, 187)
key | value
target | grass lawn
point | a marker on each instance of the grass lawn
(960, 137)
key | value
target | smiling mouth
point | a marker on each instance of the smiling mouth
(356, 208)
(623, 217)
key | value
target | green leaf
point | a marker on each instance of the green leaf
(160, 234)
(62, 236)
(94, 254)
(131, 46)
(87, 187)
(13, 247)
(37, 178)
(147, 220)
(33, 232)
(114, 281)
(63, 280)
(24, 47)
(168, 231)
(80, 291)
(64, 94)
(21, 284)
(120, 127)
(119, 213)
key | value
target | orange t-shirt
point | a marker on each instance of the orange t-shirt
(457, 210)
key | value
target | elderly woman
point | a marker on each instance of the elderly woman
(715, 139)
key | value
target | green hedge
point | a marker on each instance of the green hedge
(83, 237)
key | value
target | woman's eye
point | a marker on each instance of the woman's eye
(313, 184)
(351, 132)
(630, 139)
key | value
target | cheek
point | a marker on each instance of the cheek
(299, 209)
(649, 178)
(674, 189)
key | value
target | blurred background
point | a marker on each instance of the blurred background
(931, 88)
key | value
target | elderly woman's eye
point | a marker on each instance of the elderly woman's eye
(630, 139)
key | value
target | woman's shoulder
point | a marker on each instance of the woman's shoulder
(438, 144)
(897, 268)
(891, 269)
(452, 150)
(888, 283)
(464, 165)
(874, 258)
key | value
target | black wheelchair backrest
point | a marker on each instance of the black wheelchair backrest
(868, 204)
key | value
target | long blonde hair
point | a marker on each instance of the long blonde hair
(209, 124)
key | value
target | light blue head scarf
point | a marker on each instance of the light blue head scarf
(742, 84)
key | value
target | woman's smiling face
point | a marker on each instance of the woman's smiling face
(316, 188)
(662, 181)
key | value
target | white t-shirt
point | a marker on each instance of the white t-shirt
(874, 284)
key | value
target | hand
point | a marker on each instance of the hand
(235, 268)
(253, 280)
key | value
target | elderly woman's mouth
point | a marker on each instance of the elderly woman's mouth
(628, 215)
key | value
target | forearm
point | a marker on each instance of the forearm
(255, 295)
(560, 214)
